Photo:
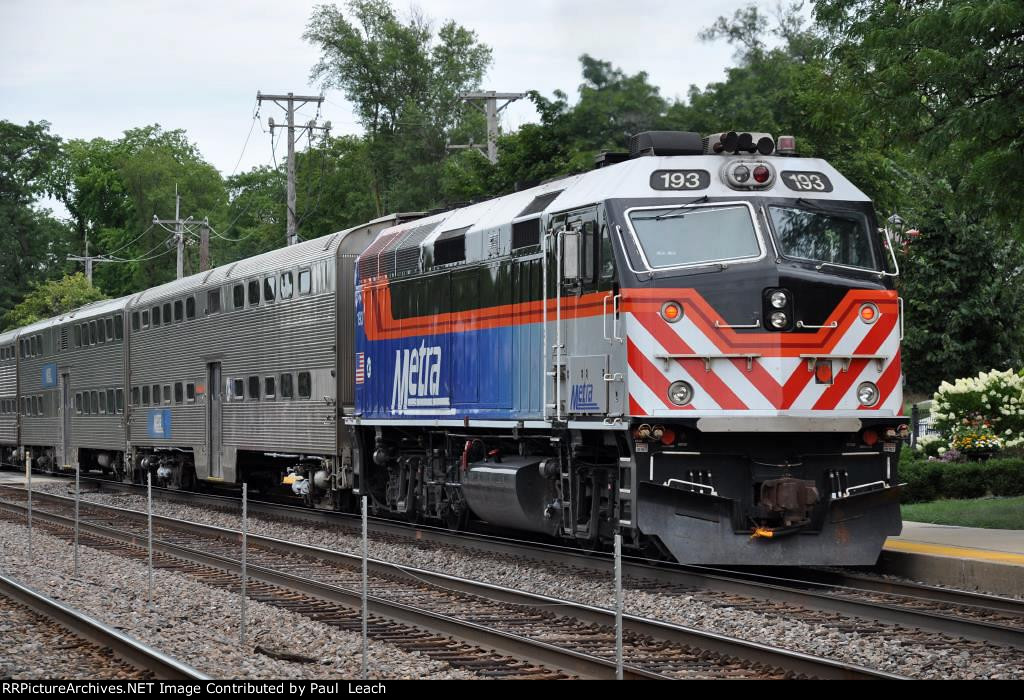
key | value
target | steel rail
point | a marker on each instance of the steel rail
(124, 647)
(812, 592)
(795, 662)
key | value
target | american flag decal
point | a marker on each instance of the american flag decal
(360, 368)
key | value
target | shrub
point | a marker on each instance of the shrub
(987, 409)
(933, 480)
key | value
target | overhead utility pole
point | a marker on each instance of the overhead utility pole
(179, 234)
(287, 103)
(491, 110)
(88, 259)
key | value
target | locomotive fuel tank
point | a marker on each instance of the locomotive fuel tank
(515, 492)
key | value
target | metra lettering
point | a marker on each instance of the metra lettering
(582, 396)
(417, 379)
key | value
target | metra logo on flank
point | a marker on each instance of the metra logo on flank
(417, 382)
(582, 398)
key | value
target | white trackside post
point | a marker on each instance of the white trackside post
(28, 481)
(245, 530)
(78, 491)
(149, 532)
(366, 650)
(618, 607)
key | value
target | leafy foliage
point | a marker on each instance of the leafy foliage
(405, 83)
(52, 299)
(32, 243)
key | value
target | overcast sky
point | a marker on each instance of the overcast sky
(99, 67)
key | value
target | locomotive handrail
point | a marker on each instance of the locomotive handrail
(846, 359)
(707, 357)
(801, 324)
(755, 324)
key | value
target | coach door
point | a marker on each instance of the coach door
(214, 419)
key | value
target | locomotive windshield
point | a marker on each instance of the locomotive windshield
(834, 238)
(690, 236)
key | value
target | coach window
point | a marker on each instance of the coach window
(179, 311)
(213, 302)
(32, 345)
(254, 388)
(37, 405)
(135, 396)
(305, 282)
(145, 319)
(156, 394)
(190, 393)
(167, 394)
(179, 393)
(86, 404)
(110, 402)
(135, 322)
(145, 395)
(167, 313)
(287, 386)
(238, 296)
(95, 401)
(270, 289)
(110, 328)
(119, 401)
(305, 385)
(119, 327)
(78, 403)
(254, 293)
(190, 308)
(157, 320)
(101, 333)
(238, 390)
(103, 403)
(78, 336)
(269, 388)
(287, 285)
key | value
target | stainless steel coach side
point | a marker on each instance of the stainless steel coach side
(8, 396)
(235, 368)
(71, 388)
(91, 369)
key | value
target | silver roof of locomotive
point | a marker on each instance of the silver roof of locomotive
(489, 232)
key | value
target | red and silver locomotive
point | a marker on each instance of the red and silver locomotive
(697, 345)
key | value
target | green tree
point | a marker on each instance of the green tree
(948, 78)
(33, 244)
(113, 189)
(53, 298)
(404, 81)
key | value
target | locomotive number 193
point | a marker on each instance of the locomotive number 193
(680, 179)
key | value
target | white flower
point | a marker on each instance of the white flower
(942, 450)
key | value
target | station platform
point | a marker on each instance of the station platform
(962, 557)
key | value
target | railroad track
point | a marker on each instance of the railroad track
(488, 629)
(837, 599)
(112, 649)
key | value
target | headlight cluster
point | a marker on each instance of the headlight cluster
(778, 309)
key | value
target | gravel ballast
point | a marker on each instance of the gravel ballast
(193, 622)
(884, 652)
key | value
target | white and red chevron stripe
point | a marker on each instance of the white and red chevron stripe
(778, 381)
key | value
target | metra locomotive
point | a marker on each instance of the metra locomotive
(696, 345)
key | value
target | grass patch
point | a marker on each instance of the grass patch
(998, 513)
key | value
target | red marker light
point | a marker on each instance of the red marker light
(868, 313)
(762, 174)
(823, 372)
(668, 437)
(870, 438)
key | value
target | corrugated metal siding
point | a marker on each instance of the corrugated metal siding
(286, 336)
(9, 392)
